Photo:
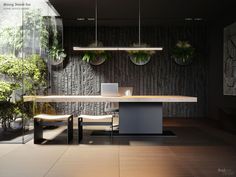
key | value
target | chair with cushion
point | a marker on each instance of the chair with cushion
(42, 120)
(93, 120)
(113, 107)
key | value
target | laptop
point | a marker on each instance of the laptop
(109, 89)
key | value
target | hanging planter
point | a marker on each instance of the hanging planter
(56, 40)
(140, 57)
(183, 53)
(95, 57)
(57, 55)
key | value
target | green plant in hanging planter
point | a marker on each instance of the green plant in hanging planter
(95, 57)
(183, 52)
(56, 51)
(140, 57)
(57, 54)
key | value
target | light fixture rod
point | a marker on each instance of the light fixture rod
(139, 23)
(96, 23)
(62, 36)
(97, 48)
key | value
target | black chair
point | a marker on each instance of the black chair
(42, 120)
(95, 121)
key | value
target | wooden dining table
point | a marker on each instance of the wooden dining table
(138, 114)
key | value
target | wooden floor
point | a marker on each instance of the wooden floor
(197, 150)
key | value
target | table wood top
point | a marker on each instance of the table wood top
(98, 98)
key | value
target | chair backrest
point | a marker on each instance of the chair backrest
(123, 91)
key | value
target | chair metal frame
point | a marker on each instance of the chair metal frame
(81, 123)
(39, 123)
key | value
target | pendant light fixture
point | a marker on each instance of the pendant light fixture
(139, 23)
(134, 48)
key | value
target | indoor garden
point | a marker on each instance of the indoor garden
(30, 43)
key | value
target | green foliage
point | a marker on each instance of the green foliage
(183, 50)
(7, 113)
(6, 90)
(34, 26)
(93, 55)
(56, 53)
(24, 108)
(28, 73)
(90, 56)
(31, 69)
(8, 110)
(11, 38)
(140, 56)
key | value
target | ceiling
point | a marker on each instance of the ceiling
(152, 11)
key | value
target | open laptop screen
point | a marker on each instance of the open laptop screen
(109, 89)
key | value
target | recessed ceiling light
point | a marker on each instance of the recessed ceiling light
(188, 19)
(80, 19)
(90, 19)
(198, 19)
(193, 19)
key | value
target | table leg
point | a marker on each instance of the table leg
(140, 118)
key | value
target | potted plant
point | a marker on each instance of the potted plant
(140, 57)
(55, 42)
(96, 57)
(57, 55)
(183, 53)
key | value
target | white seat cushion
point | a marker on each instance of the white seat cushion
(96, 117)
(52, 117)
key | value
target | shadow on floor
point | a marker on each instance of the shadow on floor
(12, 136)
(179, 136)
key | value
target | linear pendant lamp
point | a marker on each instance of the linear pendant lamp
(117, 48)
(98, 48)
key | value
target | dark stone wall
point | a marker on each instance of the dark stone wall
(161, 76)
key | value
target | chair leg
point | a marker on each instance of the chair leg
(80, 130)
(38, 131)
(70, 129)
(112, 126)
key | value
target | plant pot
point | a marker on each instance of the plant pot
(183, 61)
(138, 61)
(57, 62)
(97, 61)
